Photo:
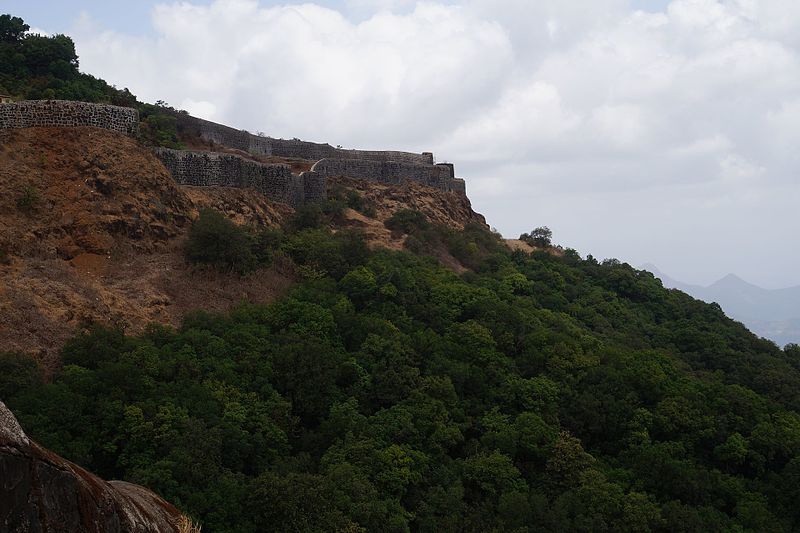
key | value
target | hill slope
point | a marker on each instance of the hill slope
(101, 238)
(771, 313)
(92, 229)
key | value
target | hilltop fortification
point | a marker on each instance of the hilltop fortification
(214, 168)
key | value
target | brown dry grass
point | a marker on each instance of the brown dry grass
(447, 208)
(104, 243)
(185, 525)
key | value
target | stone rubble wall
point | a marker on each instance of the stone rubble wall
(315, 186)
(211, 169)
(392, 172)
(59, 113)
(227, 170)
(268, 146)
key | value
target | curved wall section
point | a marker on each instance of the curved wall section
(49, 113)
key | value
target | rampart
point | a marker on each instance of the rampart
(226, 170)
(47, 113)
(438, 176)
(268, 146)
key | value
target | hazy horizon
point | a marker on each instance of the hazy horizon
(657, 132)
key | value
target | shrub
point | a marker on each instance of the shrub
(359, 285)
(332, 254)
(540, 237)
(407, 221)
(29, 200)
(159, 125)
(332, 208)
(265, 243)
(355, 200)
(307, 217)
(18, 372)
(214, 240)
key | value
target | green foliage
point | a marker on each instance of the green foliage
(385, 393)
(216, 241)
(332, 255)
(29, 200)
(159, 126)
(341, 197)
(407, 221)
(317, 215)
(37, 67)
(12, 29)
(20, 373)
(540, 237)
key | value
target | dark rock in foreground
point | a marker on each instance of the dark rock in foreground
(40, 491)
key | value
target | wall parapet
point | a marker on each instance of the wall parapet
(213, 169)
(295, 148)
(59, 113)
(392, 172)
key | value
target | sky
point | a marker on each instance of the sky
(663, 131)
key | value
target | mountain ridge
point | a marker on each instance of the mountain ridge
(771, 313)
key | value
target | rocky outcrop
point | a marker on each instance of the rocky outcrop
(42, 492)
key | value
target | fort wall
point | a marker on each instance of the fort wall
(227, 170)
(211, 169)
(268, 146)
(49, 113)
(392, 172)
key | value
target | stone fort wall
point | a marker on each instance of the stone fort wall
(438, 176)
(276, 182)
(49, 113)
(227, 170)
(268, 146)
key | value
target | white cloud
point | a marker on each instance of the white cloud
(650, 136)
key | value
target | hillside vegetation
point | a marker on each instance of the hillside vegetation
(386, 393)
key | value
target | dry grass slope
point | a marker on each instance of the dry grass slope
(101, 239)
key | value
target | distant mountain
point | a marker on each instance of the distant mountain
(771, 313)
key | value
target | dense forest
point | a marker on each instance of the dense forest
(535, 392)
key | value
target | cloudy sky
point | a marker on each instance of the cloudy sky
(648, 130)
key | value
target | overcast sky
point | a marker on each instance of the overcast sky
(651, 131)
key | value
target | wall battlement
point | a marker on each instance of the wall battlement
(49, 113)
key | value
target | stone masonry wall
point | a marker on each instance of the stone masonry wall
(438, 176)
(47, 113)
(225, 170)
(267, 146)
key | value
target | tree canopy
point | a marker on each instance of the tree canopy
(386, 393)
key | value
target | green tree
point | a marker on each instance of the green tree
(12, 29)
(214, 240)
